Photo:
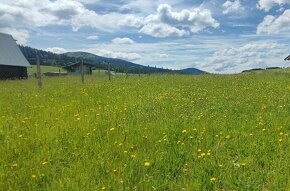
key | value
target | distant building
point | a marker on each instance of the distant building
(287, 58)
(13, 64)
(76, 68)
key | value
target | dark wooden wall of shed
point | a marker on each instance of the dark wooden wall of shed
(13, 72)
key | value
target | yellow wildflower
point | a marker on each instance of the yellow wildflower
(147, 164)
(44, 163)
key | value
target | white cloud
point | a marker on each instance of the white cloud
(95, 37)
(88, 1)
(169, 23)
(20, 36)
(232, 6)
(123, 41)
(163, 55)
(107, 22)
(32, 14)
(196, 52)
(120, 55)
(268, 4)
(162, 30)
(275, 25)
(248, 56)
(56, 50)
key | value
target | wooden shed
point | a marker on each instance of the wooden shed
(287, 58)
(76, 68)
(13, 64)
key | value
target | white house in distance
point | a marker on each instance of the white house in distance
(13, 64)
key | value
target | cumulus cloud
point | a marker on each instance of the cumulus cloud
(268, 4)
(88, 1)
(21, 36)
(162, 30)
(163, 55)
(56, 50)
(120, 55)
(32, 14)
(232, 6)
(95, 37)
(248, 56)
(169, 23)
(123, 41)
(275, 25)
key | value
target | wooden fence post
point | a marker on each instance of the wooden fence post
(38, 72)
(82, 72)
(109, 71)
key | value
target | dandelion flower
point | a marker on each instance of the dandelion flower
(33, 176)
(147, 164)
(212, 179)
(44, 163)
(133, 156)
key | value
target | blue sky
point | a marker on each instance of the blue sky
(220, 36)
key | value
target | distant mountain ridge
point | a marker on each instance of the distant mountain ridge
(192, 71)
(93, 57)
(51, 59)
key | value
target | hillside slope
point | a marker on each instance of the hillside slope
(118, 65)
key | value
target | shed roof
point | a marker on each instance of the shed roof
(77, 64)
(10, 54)
(287, 58)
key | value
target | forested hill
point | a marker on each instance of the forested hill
(118, 65)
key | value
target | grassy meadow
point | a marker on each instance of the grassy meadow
(158, 132)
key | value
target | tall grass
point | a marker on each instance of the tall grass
(167, 132)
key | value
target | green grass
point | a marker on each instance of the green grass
(271, 71)
(98, 72)
(211, 132)
(31, 70)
